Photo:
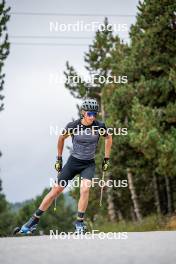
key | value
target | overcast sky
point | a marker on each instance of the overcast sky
(34, 99)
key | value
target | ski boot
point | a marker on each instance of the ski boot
(80, 227)
(28, 228)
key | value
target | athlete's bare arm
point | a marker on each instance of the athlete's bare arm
(60, 144)
(108, 144)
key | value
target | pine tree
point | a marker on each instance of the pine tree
(153, 54)
(145, 106)
(7, 219)
(4, 45)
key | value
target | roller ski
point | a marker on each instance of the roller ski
(80, 227)
(28, 228)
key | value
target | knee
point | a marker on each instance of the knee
(84, 190)
(55, 192)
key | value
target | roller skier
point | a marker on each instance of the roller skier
(81, 161)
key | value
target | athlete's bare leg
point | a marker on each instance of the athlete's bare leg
(49, 198)
(84, 195)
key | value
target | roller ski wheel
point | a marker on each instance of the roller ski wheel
(80, 228)
(24, 231)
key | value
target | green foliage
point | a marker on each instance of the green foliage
(7, 219)
(60, 220)
(149, 223)
(145, 106)
(4, 45)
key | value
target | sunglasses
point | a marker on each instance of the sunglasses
(92, 114)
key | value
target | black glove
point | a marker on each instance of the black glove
(105, 164)
(58, 164)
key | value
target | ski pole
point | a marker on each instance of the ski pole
(101, 194)
(55, 200)
(55, 204)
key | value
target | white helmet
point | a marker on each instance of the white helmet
(90, 105)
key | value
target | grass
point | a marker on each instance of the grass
(149, 223)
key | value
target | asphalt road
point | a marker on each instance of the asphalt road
(131, 248)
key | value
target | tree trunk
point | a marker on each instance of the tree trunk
(133, 195)
(168, 192)
(133, 216)
(110, 202)
(119, 213)
(156, 194)
(111, 208)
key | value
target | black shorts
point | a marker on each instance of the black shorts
(74, 166)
